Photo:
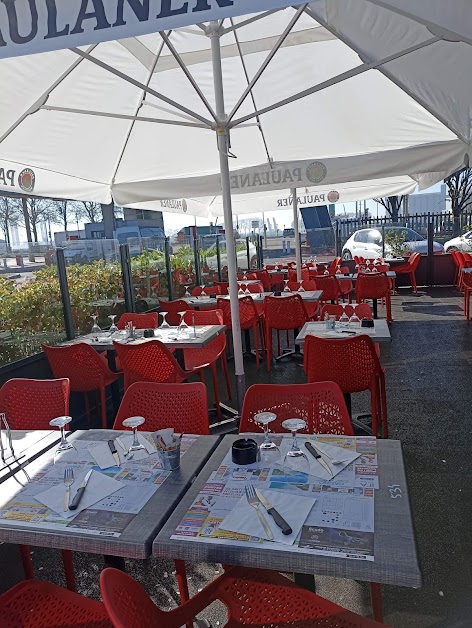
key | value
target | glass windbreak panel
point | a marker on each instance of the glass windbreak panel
(30, 303)
(95, 282)
(148, 269)
(182, 262)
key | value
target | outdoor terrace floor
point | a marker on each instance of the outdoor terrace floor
(429, 396)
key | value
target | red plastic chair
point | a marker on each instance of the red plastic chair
(181, 406)
(333, 266)
(282, 313)
(292, 274)
(243, 276)
(173, 308)
(409, 269)
(264, 277)
(149, 361)
(354, 365)
(362, 310)
(197, 291)
(253, 597)
(467, 285)
(36, 603)
(248, 317)
(29, 404)
(140, 321)
(330, 286)
(223, 285)
(85, 369)
(320, 404)
(307, 284)
(207, 357)
(374, 286)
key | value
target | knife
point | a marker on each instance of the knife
(111, 445)
(80, 491)
(277, 517)
(315, 453)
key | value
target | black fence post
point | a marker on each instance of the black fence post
(383, 240)
(65, 294)
(218, 258)
(261, 251)
(337, 239)
(430, 268)
(248, 254)
(196, 255)
(170, 287)
(125, 261)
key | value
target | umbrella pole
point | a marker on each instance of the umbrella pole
(298, 250)
(214, 32)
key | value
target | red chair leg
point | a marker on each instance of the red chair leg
(181, 575)
(103, 403)
(69, 569)
(376, 601)
(413, 281)
(26, 561)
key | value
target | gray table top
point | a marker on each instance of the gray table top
(379, 333)
(395, 552)
(28, 445)
(136, 539)
(391, 274)
(308, 295)
(185, 340)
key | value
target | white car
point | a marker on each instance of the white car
(368, 243)
(461, 243)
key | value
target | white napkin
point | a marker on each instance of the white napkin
(98, 487)
(337, 453)
(102, 455)
(293, 508)
(140, 454)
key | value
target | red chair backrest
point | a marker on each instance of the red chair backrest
(80, 363)
(414, 260)
(467, 256)
(292, 274)
(350, 362)
(247, 312)
(150, 361)
(332, 310)
(173, 308)
(197, 291)
(264, 277)
(467, 279)
(335, 263)
(181, 406)
(29, 404)
(223, 285)
(285, 312)
(372, 285)
(140, 321)
(255, 288)
(309, 284)
(330, 286)
(196, 357)
(320, 404)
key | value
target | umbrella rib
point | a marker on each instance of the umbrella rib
(248, 21)
(360, 69)
(267, 60)
(44, 96)
(387, 74)
(189, 76)
(243, 63)
(140, 85)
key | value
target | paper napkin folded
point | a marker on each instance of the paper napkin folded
(98, 487)
(293, 508)
(102, 455)
(337, 453)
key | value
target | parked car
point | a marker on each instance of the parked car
(86, 251)
(289, 233)
(461, 243)
(241, 255)
(368, 243)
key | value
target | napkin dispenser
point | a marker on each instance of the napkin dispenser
(244, 451)
(367, 322)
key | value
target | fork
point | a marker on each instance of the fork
(126, 452)
(68, 481)
(253, 501)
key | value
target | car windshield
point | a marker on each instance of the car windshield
(410, 235)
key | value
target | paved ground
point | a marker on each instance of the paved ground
(429, 403)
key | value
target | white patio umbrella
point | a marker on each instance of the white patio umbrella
(329, 93)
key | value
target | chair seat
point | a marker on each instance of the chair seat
(39, 604)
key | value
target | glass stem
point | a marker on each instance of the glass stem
(63, 438)
(266, 433)
(135, 437)
(295, 442)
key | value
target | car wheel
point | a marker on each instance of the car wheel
(347, 255)
(254, 262)
(451, 248)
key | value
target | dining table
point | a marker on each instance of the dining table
(27, 446)
(393, 557)
(115, 529)
(353, 277)
(380, 332)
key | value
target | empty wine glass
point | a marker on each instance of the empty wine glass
(113, 327)
(203, 293)
(134, 422)
(247, 291)
(95, 327)
(295, 459)
(326, 272)
(244, 277)
(286, 288)
(182, 324)
(269, 451)
(301, 288)
(355, 321)
(187, 293)
(241, 290)
(65, 452)
(164, 324)
(344, 318)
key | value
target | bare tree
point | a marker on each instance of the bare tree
(61, 212)
(459, 187)
(10, 211)
(92, 212)
(392, 205)
(35, 211)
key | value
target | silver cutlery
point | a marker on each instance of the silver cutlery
(325, 453)
(80, 492)
(126, 452)
(68, 481)
(275, 514)
(253, 501)
(317, 455)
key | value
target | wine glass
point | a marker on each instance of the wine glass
(269, 451)
(164, 324)
(203, 293)
(343, 319)
(241, 291)
(182, 324)
(286, 289)
(326, 272)
(355, 321)
(95, 327)
(295, 459)
(65, 452)
(134, 422)
(113, 327)
(244, 276)
(301, 288)
(187, 293)
(247, 291)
